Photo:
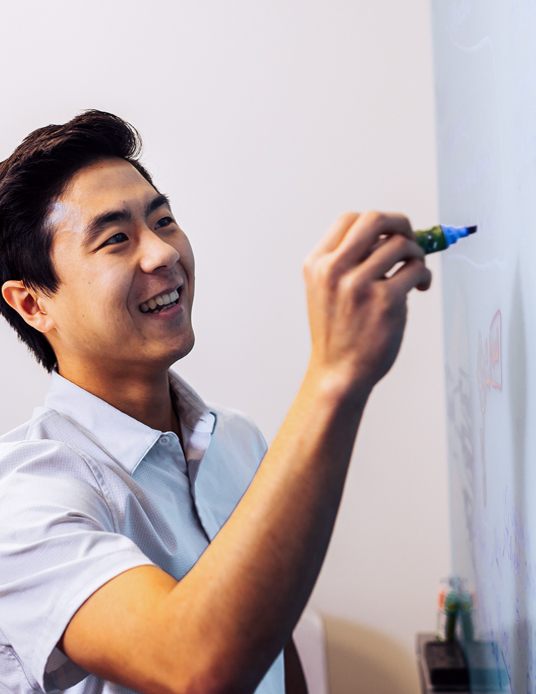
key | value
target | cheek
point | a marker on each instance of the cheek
(187, 258)
(90, 297)
(96, 299)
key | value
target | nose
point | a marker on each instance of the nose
(155, 253)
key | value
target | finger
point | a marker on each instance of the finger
(335, 233)
(412, 275)
(393, 251)
(366, 231)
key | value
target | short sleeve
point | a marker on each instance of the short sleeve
(58, 545)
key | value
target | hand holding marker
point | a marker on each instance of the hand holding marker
(440, 237)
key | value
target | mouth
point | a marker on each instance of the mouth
(162, 302)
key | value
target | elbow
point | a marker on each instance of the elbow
(216, 680)
(216, 666)
(206, 685)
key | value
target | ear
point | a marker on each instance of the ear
(28, 304)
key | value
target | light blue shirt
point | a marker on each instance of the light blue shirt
(87, 492)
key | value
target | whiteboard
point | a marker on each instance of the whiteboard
(485, 73)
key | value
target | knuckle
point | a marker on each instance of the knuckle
(307, 267)
(318, 270)
(324, 273)
(349, 285)
(352, 288)
(420, 267)
(401, 243)
(408, 248)
(403, 218)
(348, 218)
(375, 218)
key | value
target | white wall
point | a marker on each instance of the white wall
(263, 121)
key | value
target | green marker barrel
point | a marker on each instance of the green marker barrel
(447, 609)
(466, 605)
(440, 237)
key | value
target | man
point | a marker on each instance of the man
(142, 540)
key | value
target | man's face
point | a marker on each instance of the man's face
(121, 259)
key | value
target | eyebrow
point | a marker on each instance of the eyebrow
(99, 223)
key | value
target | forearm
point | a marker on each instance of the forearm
(295, 682)
(219, 628)
(248, 589)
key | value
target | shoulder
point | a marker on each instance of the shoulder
(37, 471)
(37, 442)
(40, 427)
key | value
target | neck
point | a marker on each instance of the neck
(144, 397)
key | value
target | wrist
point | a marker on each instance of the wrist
(337, 387)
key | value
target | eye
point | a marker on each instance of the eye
(164, 222)
(115, 239)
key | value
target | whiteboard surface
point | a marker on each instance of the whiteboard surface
(485, 68)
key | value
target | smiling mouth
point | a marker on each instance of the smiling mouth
(161, 302)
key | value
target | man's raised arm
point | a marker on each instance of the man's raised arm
(219, 629)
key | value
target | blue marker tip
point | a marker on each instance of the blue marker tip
(452, 234)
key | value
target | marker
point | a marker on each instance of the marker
(448, 612)
(440, 237)
(467, 604)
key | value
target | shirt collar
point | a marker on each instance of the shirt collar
(190, 408)
(122, 437)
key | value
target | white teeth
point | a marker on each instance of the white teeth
(160, 301)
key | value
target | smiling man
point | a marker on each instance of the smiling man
(149, 542)
(122, 311)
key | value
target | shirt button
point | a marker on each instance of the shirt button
(164, 440)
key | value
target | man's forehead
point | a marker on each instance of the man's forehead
(101, 186)
(105, 178)
(62, 214)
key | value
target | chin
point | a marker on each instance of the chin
(184, 348)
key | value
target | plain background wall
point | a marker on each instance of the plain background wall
(263, 121)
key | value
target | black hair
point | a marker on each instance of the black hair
(31, 179)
